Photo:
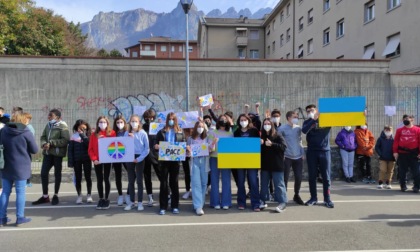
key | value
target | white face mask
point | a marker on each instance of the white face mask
(294, 121)
(363, 127)
(311, 115)
(102, 126)
(134, 125)
(267, 127)
(275, 120)
(200, 130)
(348, 128)
(120, 126)
(388, 133)
(244, 124)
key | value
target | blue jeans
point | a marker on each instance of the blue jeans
(20, 197)
(226, 199)
(253, 186)
(321, 160)
(347, 159)
(199, 178)
(280, 194)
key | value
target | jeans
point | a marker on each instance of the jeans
(361, 162)
(47, 163)
(171, 169)
(215, 173)
(20, 197)
(79, 167)
(322, 160)
(118, 176)
(406, 161)
(297, 166)
(102, 175)
(135, 172)
(253, 185)
(280, 194)
(199, 178)
(147, 172)
(347, 160)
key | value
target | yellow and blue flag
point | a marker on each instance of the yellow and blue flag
(239, 153)
(344, 111)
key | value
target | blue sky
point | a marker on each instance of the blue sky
(84, 10)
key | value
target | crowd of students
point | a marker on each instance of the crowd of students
(281, 151)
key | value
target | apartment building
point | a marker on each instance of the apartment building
(162, 48)
(240, 38)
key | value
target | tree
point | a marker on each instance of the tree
(114, 53)
(102, 53)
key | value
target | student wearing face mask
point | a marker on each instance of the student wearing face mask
(54, 141)
(247, 130)
(383, 148)
(346, 141)
(364, 152)
(207, 120)
(135, 168)
(406, 149)
(103, 129)
(171, 133)
(120, 127)
(318, 154)
(275, 118)
(294, 153)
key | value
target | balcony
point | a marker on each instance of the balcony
(148, 53)
(241, 41)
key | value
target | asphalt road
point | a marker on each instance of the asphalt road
(364, 219)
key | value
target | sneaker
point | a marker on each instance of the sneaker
(150, 203)
(380, 186)
(100, 204)
(404, 188)
(41, 200)
(281, 208)
(348, 180)
(262, 205)
(186, 195)
(217, 207)
(257, 210)
(298, 200)
(55, 200)
(329, 204)
(22, 220)
(352, 180)
(79, 200)
(241, 208)
(89, 199)
(225, 207)
(311, 202)
(366, 180)
(106, 204)
(127, 199)
(388, 186)
(4, 221)
(128, 207)
(162, 212)
(199, 211)
(175, 211)
(140, 206)
(120, 200)
(29, 184)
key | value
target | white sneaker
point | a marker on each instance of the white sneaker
(262, 205)
(281, 208)
(89, 198)
(225, 208)
(217, 207)
(388, 187)
(129, 206)
(186, 195)
(380, 187)
(199, 211)
(79, 200)
(120, 200)
(150, 203)
(140, 206)
(127, 199)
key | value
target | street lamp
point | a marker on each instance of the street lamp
(186, 5)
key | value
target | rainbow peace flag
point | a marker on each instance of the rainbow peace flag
(347, 111)
(239, 153)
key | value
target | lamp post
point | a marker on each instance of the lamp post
(186, 5)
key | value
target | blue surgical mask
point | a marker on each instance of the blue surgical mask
(171, 122)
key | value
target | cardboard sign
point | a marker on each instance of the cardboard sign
(155, 127)
(116, 149)
(206, 100)
(199, 150)
(239, 153)
(187, 120)
(172, 152)
(343, 111)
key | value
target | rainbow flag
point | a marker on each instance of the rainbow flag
(239, 153)
(348, 111)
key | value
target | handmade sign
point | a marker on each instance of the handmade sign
(162, 115)
(239, 153)
(187, 120)
(155, 127)
(172, 152)
(348, 111)
(199, 150)
(390, 110)
(206, 100)
(139, 110)
(116, 149)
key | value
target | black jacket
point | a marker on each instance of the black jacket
(383, 147)
(272, 157)
(78, 151)
(153, 154)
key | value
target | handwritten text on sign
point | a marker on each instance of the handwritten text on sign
(172, 152)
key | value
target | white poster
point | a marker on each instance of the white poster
(187, 120)
(116, 149)
(155, 127)
(206, 100)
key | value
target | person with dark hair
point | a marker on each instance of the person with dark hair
(318, 154)
(273, 146)
(120, 128)
(78, 158)
(364, 152)
(247, 130)
(208, 121)
(54, 141)
(383, 148)
(275, 118)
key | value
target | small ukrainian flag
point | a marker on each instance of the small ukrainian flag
(239, 153)
(347, 111)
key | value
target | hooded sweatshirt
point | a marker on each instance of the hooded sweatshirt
(19, 143)
(384, 147)
(346, 140)
(58, 136)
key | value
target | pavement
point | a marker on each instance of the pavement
(364, 219)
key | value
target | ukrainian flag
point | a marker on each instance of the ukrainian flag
(239, 153)
(348, 111)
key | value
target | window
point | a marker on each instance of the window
(288, 10)
(310, 16)
(326, 37)
(392, 48)
(241, 32)
(163, 48)
(274, 46)
(393, 4)
(274, 24)
(254, 34)
(300, 52)
(190, 49)
(288, 35)
(301, 24)
(268, 50)
(281, 16)
(180, 48)
(369, 11)
(134, 55)
(147, 48)
(254, 54)
(310, 46)
(241, 53)
(281, 40)
(172, 48)
(369, 52)
(268, 30)
(326, 5)
(340, 28)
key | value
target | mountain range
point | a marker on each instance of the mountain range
(120, 30)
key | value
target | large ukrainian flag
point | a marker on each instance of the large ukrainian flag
(348, 111)
(239, 153)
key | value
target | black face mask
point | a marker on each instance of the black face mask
(207, 123)
(223, 123)
(406, 122)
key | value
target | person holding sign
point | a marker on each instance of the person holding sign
(103, 129)
(246, 129)
(135, 168)
(172, 133)
(199, 166)
(120, 128)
